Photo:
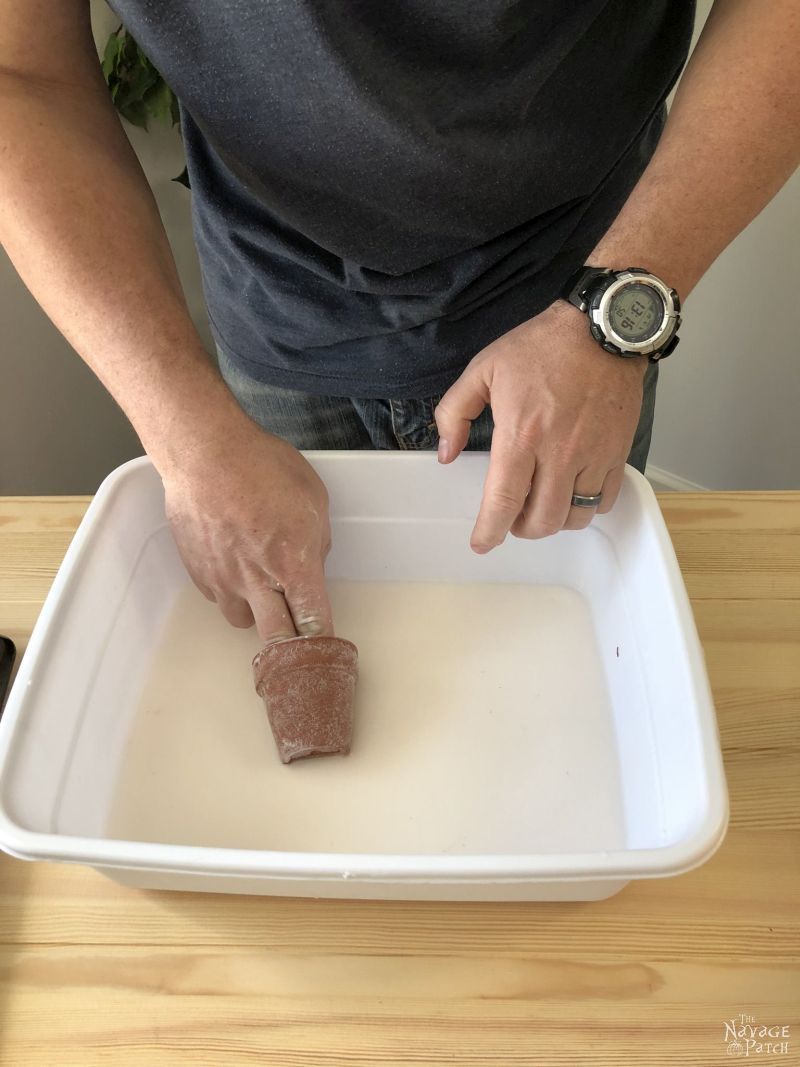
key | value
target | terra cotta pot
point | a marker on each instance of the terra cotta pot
(307, 685)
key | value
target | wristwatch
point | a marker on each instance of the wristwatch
(631, 312)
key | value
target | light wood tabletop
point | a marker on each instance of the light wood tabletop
(93, 973)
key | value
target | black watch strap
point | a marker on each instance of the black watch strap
(574, 292)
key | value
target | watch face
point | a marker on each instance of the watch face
(636, 312)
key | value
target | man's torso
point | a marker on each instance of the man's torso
(378, 188)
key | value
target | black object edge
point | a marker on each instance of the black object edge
(8, 653)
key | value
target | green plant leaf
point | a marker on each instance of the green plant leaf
(137, 89)
(158, 100)
(111, 55)
(130, 99)
(141, 80)
(130, 51)
(135, 113)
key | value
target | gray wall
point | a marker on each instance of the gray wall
(729, 398)
(728, 402)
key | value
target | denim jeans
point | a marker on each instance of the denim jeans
(332, 422)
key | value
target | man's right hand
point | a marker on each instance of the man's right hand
(250, 518)
(249, 514)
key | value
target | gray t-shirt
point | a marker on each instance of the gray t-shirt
(380, 188)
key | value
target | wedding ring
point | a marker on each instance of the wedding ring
(579, 501)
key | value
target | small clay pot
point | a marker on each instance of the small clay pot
(307, 685)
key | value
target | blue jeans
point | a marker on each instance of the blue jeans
(333, 422)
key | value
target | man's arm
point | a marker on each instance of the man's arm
(80, 225)
(565, 409)
(731, 141)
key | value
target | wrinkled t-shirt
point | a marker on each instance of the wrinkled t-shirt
(380, 188)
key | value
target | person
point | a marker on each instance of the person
(393, 205)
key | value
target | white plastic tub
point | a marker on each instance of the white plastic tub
(555, 759)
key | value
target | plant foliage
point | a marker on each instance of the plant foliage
(137, 89)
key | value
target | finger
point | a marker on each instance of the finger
(611, 488)
(308, 603)
(518, 525)
(235, 609)
(548, 504)
(463, 402)
(588, 483)
(508, 483)
(271, 612)
(206, 590)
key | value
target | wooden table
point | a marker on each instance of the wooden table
(92, 973)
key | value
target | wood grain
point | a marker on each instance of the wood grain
(93, 973)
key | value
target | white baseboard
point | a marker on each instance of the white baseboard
(664, 481)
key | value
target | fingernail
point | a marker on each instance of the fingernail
(309, 627)
(444, 450)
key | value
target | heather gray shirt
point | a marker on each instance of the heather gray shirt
(382, 187)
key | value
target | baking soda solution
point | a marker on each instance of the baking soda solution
(455, 681)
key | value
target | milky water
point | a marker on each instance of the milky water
(483, 725)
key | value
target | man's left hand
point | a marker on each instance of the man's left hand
(565, 413)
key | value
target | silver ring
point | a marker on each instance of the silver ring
(579, 501)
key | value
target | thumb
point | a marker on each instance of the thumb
(463, 402)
